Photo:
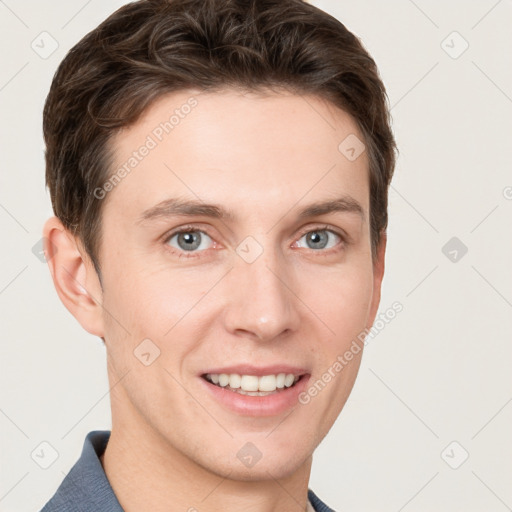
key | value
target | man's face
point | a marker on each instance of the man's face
(265, 291)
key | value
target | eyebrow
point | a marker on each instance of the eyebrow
(193, 208)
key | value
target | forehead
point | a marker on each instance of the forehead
(239, 148)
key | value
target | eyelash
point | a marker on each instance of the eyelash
(193, 229)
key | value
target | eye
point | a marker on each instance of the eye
(320, 238)
(189, 240)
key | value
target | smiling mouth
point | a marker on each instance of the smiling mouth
(252, 385)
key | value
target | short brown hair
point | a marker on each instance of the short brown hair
(150, 48)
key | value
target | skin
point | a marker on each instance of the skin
(264, 157)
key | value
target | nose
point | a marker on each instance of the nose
(261, 300)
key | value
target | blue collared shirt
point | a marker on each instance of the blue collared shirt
(87, 489)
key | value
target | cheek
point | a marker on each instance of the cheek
(145, 292)
(343, 306)
(343, 302)
(167, 307)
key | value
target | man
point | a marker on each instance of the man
(219, 173)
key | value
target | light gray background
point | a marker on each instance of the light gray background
(438, 373)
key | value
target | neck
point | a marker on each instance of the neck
(147, 473)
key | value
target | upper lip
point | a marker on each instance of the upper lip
(249, 369)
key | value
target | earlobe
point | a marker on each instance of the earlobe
(74, 276)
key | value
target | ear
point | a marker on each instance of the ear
(378, 275)
(74, 276)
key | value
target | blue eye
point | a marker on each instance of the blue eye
(189, 240)
(319, 238)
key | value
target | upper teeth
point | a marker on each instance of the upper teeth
(253, 382)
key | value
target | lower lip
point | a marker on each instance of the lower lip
(269, 405)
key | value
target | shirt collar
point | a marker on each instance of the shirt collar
(86, 487)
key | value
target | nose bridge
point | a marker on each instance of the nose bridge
(260, 301)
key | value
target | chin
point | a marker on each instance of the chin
(261, 471)
(269, 463)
